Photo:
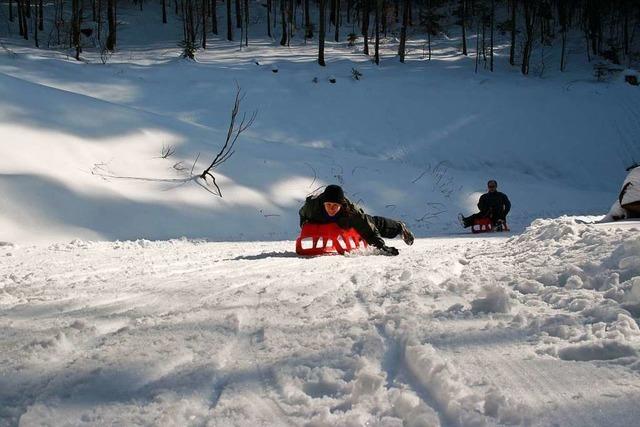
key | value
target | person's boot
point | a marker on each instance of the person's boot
(407, 235)
(464, 222)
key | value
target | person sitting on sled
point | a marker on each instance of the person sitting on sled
(493, 205)
(627, 206)
(333, 207)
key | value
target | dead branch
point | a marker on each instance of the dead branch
(232, 136)
(167, 151)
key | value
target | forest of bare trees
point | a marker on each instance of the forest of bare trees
(607, 29)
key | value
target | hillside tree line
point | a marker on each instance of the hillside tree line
(607, 29)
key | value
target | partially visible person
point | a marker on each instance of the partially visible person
(332, 206)
(627, 205)
(493, 205)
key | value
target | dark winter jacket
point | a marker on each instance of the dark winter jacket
(349, 216)
(494, 205)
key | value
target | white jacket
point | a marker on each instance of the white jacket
(629, 193)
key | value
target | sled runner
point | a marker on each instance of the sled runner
(326, 239)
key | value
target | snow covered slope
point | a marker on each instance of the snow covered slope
(535, 330)
(415, 141)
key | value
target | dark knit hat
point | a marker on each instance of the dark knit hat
(333, 194)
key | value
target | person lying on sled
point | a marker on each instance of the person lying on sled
(333, 207)
(493, 204)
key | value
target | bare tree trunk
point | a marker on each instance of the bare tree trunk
(229, 28)
(20, 21)
(111, 19)
(99, 19)
(238, 14)
(75, 26)
(349, 5)
(214, 17)
(321, 32)
(332, 13)
(512, 49)
(307, 21)
(290, 20)
(384, 18)
(204, 23)
(403, 32)
(337, 23)
(377, 47)
(269, 19)
(365, 25)
(35, 26)
(477, 45)
(246, 22)
(41, 16)
(493, 18)
(463, 19)
(10, 10)
(529, 18)
(562, 18)
(283, 12)
(164, 11)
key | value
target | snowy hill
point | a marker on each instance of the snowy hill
(415, 141)
(130, 295)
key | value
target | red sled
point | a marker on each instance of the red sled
(482, 225)
(327, 239)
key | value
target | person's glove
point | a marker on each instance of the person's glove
(389, 250)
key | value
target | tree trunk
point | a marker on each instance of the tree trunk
(229, 28)
(214, 17)
(111, 19)
(377, 18)
(512, 49)
(164, 11)
(463, 19)
(337, 22)
(238, 14)
(477, 45)
(10, 10)
(35, 26)
(204, 24)
(283, 13)
(384, 18)
(25, 21)
(307, 21)
(493, 18)
(269, 18)
(99, 20)
(562, 18)
(349, 11)
(41, 16)
(75, 27)
(246, 22)
(290, 20)
(529, 18)
(332, 14)
(365, 26)
(20, 22)
(321, 32)
(403, 32)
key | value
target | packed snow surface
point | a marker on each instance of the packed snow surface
(537, 329)
(123, 302)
